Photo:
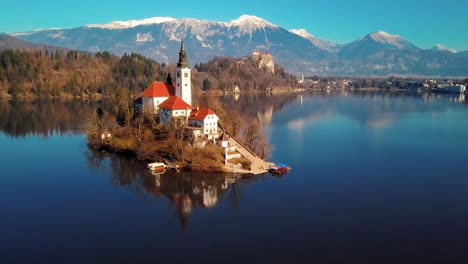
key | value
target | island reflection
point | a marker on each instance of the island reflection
(186, 191)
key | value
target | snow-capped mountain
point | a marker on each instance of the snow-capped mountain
(303, 33)
(247, 23)
(159, 38)
(298, 51)
(380, 53)
(323, 44)
(132, 23)
(373, 43)
(388, 39)
(439, 47)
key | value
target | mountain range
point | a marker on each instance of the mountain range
(298, 51)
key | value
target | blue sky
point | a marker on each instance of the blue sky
(424, 23)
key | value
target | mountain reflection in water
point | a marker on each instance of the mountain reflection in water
(378, 110)
(44, 117)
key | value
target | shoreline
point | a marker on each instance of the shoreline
(185, 166)
(96, 96)
(9, 97)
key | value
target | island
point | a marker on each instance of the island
(166, 129)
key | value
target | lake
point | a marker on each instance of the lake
(376, 178)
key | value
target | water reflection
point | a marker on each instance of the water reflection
(374, 109)
(353, 194)
(45, 117)
(20, 118)
(252, 105)
(378, 108)
(186, 191)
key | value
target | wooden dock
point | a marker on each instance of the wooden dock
(258, 165)
(173, 167)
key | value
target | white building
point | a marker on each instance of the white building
(183, 79)
(155, 94)
(302, 79)
(205, 119)
(224, 142)
(175, 110)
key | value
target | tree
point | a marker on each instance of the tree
(99, 113)
(175, 139)
(206, 85)
(234, 122)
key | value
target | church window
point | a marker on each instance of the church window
(178, 74)
(186, 74)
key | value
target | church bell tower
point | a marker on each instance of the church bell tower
(183, 80)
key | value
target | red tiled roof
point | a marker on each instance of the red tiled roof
(159, 89)
(200, 113)
(174, 103)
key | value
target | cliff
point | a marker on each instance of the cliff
(264, 60)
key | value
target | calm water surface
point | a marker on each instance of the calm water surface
(376, 178)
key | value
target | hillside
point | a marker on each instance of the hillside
(248, 73)
(44, 73)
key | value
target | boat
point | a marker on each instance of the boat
(156, 166)
(284, 167)
(157, 172)
(280, 168)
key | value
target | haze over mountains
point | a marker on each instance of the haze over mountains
(11, 42)
(297, 50)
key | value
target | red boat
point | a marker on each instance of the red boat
(279, 169)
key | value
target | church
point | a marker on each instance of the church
(173, 102)
(158, 92)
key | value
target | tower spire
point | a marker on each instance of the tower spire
(183, 79)
(182, 55)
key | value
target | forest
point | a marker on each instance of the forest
(69, 73)
(59, 73)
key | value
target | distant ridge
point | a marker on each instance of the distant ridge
(10, 42)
